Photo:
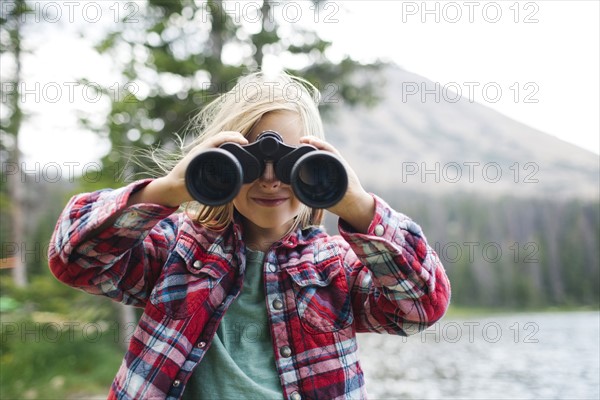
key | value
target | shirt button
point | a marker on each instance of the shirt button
(379, 230)
(201, 345)
(277, 304)
(285, 351)
(176, 383)
(295, 396)
(272, 267)
(197, 264)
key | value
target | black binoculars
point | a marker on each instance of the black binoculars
(318, 178)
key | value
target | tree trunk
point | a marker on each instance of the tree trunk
(15, 182)
(217, 33)
(127, 324)
(15, 193)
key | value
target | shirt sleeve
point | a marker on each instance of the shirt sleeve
(397, 282)
(122, 261)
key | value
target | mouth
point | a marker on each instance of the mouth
(269, 201)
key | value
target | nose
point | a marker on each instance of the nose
(268, 178)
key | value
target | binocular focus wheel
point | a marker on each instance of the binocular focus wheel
(214, 177)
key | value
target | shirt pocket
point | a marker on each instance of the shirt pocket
(322, 298)
(179, 293)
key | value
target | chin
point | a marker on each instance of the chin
(271, 222)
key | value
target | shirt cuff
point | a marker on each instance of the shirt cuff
(381, 225)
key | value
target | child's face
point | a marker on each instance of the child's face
(267, 203)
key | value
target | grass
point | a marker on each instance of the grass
(55, 342)
(54, 361)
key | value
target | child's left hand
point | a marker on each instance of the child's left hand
(357, 207)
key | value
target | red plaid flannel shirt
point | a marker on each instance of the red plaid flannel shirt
(387, 281)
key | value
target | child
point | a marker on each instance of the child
(251, 300)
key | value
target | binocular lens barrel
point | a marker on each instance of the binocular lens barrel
(214, 177)
(319, 179)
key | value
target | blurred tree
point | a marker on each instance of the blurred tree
(12, 189)
(511, 265)
(176, 56)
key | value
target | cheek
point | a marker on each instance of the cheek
(296, 204)
(241, 200)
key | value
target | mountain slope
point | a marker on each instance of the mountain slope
(432, 146)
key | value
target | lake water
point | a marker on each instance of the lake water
(520, 356)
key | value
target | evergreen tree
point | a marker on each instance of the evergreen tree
(178, 55)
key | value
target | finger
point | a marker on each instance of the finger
(318, 143)
(229, 136)
(216, 141)
(219, 139)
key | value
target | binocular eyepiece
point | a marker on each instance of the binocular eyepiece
(318, 178)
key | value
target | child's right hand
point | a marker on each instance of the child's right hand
(170, 190)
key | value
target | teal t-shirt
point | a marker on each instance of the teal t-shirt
(240, 363)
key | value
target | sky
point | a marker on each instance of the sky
(536, 62)
(543, 56)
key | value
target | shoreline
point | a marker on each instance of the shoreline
(464, 311)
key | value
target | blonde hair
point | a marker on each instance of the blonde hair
(239, 109)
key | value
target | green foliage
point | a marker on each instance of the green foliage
(176, 50)
(46, 294)
(56, 342)
(55, 360)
